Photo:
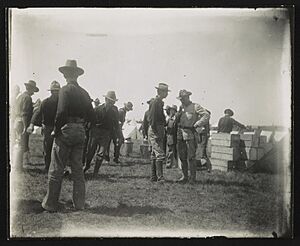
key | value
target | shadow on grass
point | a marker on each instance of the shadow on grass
(134, 177)
(30, 206)
(124, 210)
(101, 177)
(34, 171)
(222, 182)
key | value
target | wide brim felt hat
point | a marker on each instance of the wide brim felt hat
(32, 84)
(71, 67)
(228, 111)
(111, 95)
(162, 86)
(55, 86)
(183, 93)
(174, 107)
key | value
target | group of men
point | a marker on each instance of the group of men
(74, 132)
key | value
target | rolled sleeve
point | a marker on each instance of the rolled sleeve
(203, 114)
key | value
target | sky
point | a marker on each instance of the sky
(227, 58)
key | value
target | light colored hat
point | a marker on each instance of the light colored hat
(183, 93)
(55, 86)
(162, 86)
(32, 84)
(128, 105)
(111, 95)
(174, 107)
(71, 66)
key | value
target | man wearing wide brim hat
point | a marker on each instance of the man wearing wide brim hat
(191, 119)
(45, 116)
(23, 113)
(156, 132)
(106, 127)
(74, 110)
(118, 144)
(226, 123)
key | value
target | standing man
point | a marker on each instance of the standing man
(156, 132)
(226, 123)
(191, 119)
(145, 124)
(171, 137)
(23, 113)
(74, 108)
(106, 125)
(117, 145)
(45, 116)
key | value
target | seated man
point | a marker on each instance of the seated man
(226, 123)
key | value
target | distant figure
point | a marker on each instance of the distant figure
(12, 113)
(226, 123)
(171, 136)
(23, 114)
(74, 109)
(156, 132)
(145, 124)
(45, 116)
(117, 144)
(106, 124)
(96, 102)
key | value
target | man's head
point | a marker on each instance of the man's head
(228, 112)
(54, 88)
(128, 106)
(162, 90)
(31, 87)
(173, 110)
(167, 109)
(70, 71)
(97, 102)
(110, 98)
(184, 97)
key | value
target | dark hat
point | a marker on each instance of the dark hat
(228, 111)
(183, 93)
(111, 95)
(162, 86)
(32, 84)
(128, 105)
(55, 86)
(150, 100)
(71, 66)
(97, 100)
(167, 108)
(174, 107)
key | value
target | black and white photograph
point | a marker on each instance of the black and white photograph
(150, 122)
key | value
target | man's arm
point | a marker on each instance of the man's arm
(36, 119)
(26, 112)
(203, 114)
(236, 123)
(61, 112)
(153, 114)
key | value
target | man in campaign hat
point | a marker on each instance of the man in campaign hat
(117, 144)
(226, 123)
(156, 132)
(45, 116)
(23, 112)
(74, 109)
(191, 119)
(105, 125)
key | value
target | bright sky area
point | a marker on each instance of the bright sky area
(228, 58)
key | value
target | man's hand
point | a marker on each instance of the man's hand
(30, 129)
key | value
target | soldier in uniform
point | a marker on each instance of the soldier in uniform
(106, 124)
(191, 118)
(74, 109)
(226, 123)
(171, 137)
(117, 145)
(45, 116)
(23, 113)
(156, 132)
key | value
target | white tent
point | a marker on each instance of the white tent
(131, 130)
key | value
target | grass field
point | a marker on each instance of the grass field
(123, 202)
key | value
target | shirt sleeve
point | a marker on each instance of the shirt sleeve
(154, 111)
(37, 115)
(61, 113)
(203, 115)
(122, 116)
(91, 116)
(26, 108)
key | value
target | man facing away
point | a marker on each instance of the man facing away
(118, 144)
(156, 132)
(23, 113)
(226, 123)
(106, 125)
(74, 108)
(191, 118)
(45, 116)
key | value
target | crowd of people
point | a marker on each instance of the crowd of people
(75, 132)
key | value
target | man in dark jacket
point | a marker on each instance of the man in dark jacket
(171, 137)
(106, 124)
(74, 109)
(226, 123)
(45, 116)
(156, 132)
(23, 112)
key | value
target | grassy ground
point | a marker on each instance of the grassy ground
(123, 202)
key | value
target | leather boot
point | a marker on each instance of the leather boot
(97, 166)
(153, 171)
(184, 178)
(192, 179)
(159, 168)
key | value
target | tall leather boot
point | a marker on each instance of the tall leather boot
(159, 168)
(192, 171)
(153, 171)
(184, 178)
(97, 166)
